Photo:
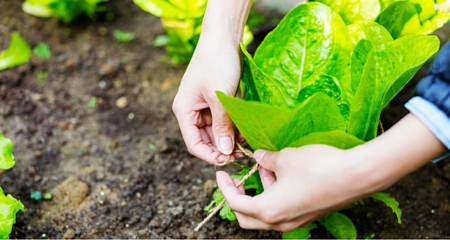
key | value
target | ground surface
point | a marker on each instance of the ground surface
(105, 179)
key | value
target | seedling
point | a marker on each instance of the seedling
(42, 50)
(123, 36)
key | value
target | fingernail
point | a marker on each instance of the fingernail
(259, 154)
(225, 145)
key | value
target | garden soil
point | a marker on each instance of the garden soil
(120, 169)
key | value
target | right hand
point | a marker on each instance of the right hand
(205, 125)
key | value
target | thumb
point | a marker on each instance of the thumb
(223, 128)
(267, 159)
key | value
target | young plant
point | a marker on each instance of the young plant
(42, 50)
(9, 206)
(66, 10)
(18, 52)
(400, 18)
(316, 80)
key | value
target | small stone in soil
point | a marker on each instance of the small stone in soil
(122, 102)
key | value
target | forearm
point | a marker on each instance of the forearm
(225, 19)
(405, 147)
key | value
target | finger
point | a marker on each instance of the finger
(267, 159)
(236, 200)
(249, 222)
(240, 187)
(222, 126)
(267, 177)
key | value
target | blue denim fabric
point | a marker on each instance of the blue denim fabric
(434, 118)
(435, 87)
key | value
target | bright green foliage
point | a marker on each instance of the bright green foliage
(123, 36)
(66, 10)
(42, 50)
(339, 225)
(6, 155)
(354, 10)
(17, 53)
(399, 17)
(9, 206)
(390, 202)
(48, 196)
(299, 233)
(315, 79)
(253, 182)
(225, 212)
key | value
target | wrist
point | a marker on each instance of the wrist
(225, 20)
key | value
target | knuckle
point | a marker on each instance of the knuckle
(287, 227)
(272, 216)
(222, 125)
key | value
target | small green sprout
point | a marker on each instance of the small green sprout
(123, 36)
(92, 102)
(42, 50)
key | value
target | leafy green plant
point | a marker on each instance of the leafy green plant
(182, 21)
(9, 206)
(399, 17)
(17, 53)
(316, 80)
(66, 10)
(42, 50)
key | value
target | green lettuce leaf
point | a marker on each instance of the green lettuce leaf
(384, 74)
(299, 233)
(9, 206)
(397, 15)
(17, 53)
(6, 155)
(339, 225)
(403, 18)
(390, 202)
(353, 11)
(310, 42)
(274, 128)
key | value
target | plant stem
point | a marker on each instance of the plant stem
(220, 205)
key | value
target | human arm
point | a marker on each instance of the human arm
(317, 179)
(215, 66)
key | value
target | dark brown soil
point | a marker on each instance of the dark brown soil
(118, 185)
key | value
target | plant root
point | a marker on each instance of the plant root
(249, 154)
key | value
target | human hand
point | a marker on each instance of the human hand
(205, 125)
(317, 179)
(311, 182)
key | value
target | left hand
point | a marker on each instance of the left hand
(311, 182)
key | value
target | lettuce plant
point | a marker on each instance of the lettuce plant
(9, 206)
(17, 53)
(66, 10)
(317, 80)
(399, 17)
(182, 21)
